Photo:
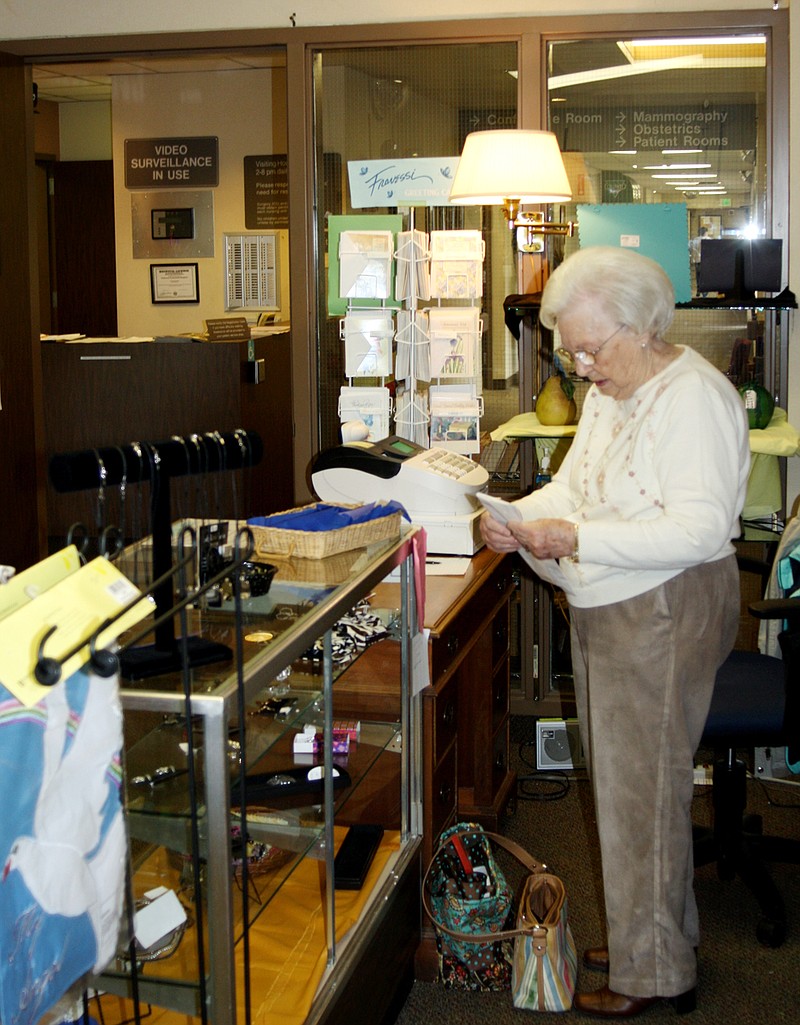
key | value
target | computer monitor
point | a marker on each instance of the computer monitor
(740, 267)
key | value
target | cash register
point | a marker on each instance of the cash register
(435, 486)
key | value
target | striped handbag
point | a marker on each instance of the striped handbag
(545, 963)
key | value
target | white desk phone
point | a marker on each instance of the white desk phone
(434, 485)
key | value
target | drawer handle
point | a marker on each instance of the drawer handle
(452, 644)
(445, 793)
(499, 760)
(449, 713)
(500, 697)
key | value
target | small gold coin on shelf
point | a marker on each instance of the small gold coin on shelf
(259, 637)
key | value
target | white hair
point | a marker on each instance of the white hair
(632, 289)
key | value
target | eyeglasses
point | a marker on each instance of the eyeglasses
(587, 358)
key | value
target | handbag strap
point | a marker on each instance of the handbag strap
(523, 857)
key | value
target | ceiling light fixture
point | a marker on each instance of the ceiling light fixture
(674, 167)
(674, 177)
(728, 40)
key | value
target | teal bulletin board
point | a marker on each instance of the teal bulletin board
(657, 230)
(337, 305)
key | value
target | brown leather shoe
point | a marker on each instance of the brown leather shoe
(596, 959)
(605, 1003)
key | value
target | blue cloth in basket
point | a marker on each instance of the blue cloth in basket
(327, 517)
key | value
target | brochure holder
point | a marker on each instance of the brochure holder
(413, 358)
(365, 264)
(367, 337)
(373, 406)
(455, 334)
(435, 343)
(457, 264)
(455, 417)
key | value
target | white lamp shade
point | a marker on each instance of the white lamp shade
(513, 164)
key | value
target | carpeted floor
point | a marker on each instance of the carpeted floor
(740, 982)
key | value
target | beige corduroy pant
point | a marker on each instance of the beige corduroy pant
(644, 674)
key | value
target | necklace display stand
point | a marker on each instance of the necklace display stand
(158, 463)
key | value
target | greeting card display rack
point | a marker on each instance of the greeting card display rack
(437, 365)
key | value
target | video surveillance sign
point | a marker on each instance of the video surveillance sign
(171, 163)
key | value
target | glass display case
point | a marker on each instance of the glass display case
(227, 812)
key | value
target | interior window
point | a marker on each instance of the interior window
(391, 102)
(671, 120)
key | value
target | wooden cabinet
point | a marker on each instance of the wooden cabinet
(440, 723)
(112, 393)
(466, 775)
(465, 708)
(467, 703)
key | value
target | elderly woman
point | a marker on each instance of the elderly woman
(636, 527)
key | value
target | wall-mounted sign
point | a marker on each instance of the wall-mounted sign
(172, 163)
(485, 120)
(266, 192)
(423, 181)
(681, 126)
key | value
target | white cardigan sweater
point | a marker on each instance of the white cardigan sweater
(657, 483)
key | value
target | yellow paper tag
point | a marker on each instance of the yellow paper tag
(76, 606)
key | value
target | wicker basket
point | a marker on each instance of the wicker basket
(319, 544)
(333, 569)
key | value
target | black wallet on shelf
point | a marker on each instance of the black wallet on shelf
(288, 783)
(352, 861)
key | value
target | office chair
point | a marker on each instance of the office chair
(755, 704)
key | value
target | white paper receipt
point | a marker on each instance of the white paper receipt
(499, 508)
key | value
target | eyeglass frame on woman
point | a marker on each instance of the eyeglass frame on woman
(586, 358)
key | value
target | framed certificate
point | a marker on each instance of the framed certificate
(174, 283)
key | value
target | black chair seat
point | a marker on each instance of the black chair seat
(754, 704)
(747, 708)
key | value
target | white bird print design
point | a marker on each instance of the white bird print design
(64, 864)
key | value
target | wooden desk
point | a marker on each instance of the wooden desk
(465, 710)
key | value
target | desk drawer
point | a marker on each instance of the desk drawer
(500, 634)
(448, 648)
(500, 693)
(440, 806)
(440, 718)
(499, 757)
